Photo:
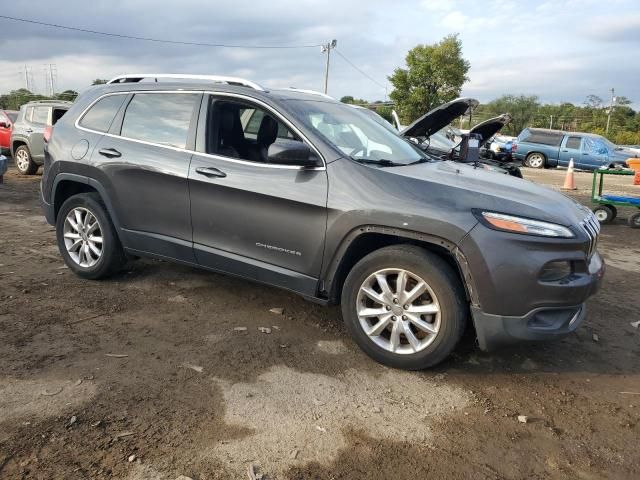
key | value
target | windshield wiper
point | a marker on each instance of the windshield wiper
(383, 162)
(422, 160)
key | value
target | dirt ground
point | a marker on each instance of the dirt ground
(145, 377)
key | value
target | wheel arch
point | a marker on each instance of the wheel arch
(66, 185)
(16, 143)
(365, 239)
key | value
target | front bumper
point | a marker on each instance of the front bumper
(542, 323)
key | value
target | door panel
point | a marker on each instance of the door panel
(35, 132)
(570, 148)
(148, 187)
(274, 216)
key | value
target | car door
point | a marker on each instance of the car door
(258, 220)
(570, 148)
(144, 163)
(36, 123)
(5, 131)
(596, 154)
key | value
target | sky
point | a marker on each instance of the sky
(560, 50)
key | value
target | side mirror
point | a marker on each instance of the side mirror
(291, 152)
(4, 124)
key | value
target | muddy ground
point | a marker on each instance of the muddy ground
(144, 377)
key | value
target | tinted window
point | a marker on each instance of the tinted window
(541, 136)
(100, 116)
(40, 115)
(159, 118)
(574, 142)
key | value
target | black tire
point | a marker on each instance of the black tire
(26, 165)
(535, 160)
(605, 213)
(634, 220)
(443, 281)
(112, 258)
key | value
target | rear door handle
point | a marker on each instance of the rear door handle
(29, 130)
(109, 152)
(210, 172)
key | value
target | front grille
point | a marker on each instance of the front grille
(592, 228)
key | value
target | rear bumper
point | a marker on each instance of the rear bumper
(47, 209)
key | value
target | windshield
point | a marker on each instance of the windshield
(441, 142)
(12, 116)
(354, 132)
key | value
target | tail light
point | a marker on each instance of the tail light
(514, 147)
(47, 134)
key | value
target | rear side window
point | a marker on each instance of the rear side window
(541, 136)
(100, 116)
(40, 115)
(162, 118)
(574, 142)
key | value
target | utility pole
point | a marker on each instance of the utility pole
(551, 123)
(327, 49)
(613, 101)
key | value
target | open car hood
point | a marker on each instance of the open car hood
(489, 128)
(439, 117)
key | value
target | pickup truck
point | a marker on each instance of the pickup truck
(544, 148)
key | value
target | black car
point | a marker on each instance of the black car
(296, 190)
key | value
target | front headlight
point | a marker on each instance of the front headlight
(509, 223)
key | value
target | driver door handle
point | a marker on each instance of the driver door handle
(29, 130)
(210, 172)
(109, 152)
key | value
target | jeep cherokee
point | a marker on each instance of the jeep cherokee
(294, 189)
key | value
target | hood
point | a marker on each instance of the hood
(474, 187)
(489, 128)
(440, 117)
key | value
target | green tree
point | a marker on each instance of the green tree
(354, 101)
(434, 75)
(523, 110)
(69, 95)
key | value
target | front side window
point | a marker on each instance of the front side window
(162, 118)
(574, 143)
(354, 133)
(102, 113)
(244, 131)
(40, 115)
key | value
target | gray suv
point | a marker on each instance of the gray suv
(294, 189)
(35, 122)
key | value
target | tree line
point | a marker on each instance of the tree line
(16, 98)
(434, 74)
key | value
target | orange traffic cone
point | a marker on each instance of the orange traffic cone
(569, 181)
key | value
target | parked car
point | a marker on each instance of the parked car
(433, 134)
(633, 149)
(319, 199)
(30, 131)
(544, 148)
(498, 147)
(7, 119)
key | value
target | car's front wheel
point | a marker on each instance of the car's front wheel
(24, 162)
(405, 307)
(87, 238)
(535, 160)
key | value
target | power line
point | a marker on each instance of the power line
(358, 69)
(157, 40)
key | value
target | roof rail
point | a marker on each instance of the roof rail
(136, 77)
(311, 92)
(49, 101)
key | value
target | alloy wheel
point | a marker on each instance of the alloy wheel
(398, 311)
(83, 237)
(22, 160)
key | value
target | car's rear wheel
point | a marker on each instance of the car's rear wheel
(535, 160)
(87, 238)
(605, 213)
(24, 162)
(405, 307)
